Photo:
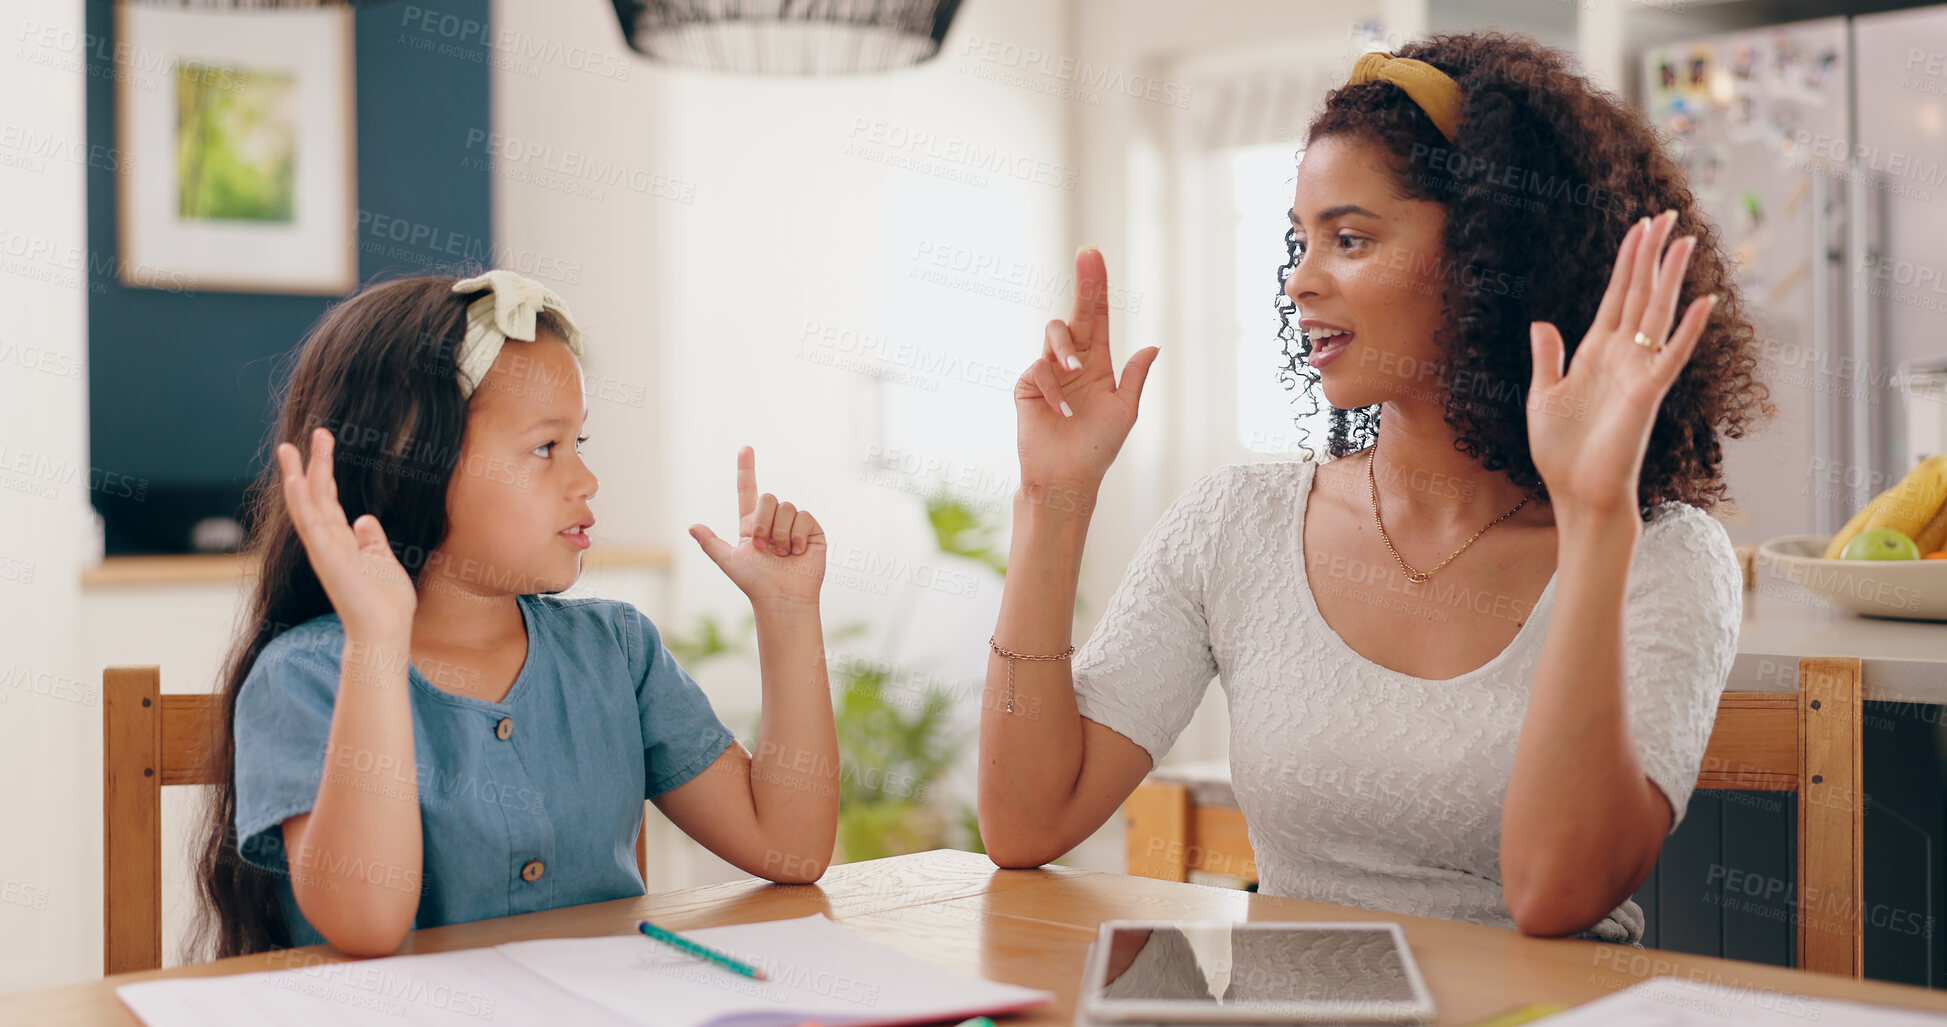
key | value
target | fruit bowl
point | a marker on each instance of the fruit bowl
(1904, 589)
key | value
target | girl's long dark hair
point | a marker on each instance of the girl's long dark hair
(378, 370)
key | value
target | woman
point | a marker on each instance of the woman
(1472, 662)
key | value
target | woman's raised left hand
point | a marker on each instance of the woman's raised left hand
(1588, 428)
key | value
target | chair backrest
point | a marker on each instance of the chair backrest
(1806, 742)
(149, 740)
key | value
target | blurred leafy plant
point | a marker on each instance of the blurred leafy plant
(962, 531)
(889, 759)
(891, 752)
(709, 640)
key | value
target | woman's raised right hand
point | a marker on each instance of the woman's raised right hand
(367, 586)
(1073, 447)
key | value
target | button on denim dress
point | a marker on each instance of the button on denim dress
(551, 780)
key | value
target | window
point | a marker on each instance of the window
(1261, 180)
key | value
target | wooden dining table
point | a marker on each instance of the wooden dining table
(1034, 927)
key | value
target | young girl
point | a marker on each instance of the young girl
(1473, 660)
(418, 733)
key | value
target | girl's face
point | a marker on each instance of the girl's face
(518, 503)
(1372, 264)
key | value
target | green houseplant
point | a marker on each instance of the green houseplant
(895, 740)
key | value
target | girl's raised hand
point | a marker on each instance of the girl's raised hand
(369, 589)
(1588, 429)
(1070, 414)
(779, 557)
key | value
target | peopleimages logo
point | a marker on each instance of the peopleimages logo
(887, 142)
(1003, 278)
(38, 258)
(518, 47)
(427, 244)
(29, 148)
(379, 988)
(1012, 57)
(515, 154)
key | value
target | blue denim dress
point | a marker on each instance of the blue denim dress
(525, 804)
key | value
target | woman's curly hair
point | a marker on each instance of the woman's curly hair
(1546, 175)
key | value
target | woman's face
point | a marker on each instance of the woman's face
(1372, 264)
(521, 481)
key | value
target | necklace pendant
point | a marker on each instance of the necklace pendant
(1413, 576)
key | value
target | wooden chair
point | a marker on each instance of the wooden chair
(1806, 742)
(149, 740)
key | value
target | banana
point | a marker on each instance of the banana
(1858, 521)
(1933, 537)
(1909, 505)
(1913, 506)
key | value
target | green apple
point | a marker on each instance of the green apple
(1880, 544)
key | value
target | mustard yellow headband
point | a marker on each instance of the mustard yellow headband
(1431, 88)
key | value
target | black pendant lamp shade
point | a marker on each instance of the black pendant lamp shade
(787, 37)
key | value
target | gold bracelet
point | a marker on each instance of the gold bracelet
(1012, 656)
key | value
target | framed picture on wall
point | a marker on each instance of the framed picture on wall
(238, 128)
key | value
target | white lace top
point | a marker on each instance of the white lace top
(1362, 785)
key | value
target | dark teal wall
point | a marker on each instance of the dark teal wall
(180, 383)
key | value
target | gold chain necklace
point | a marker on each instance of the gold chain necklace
(1418, 577)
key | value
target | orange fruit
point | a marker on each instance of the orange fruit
(1938, 554)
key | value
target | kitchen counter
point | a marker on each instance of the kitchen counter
(1900, 660)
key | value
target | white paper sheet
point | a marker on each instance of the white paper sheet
(817, 970)
(1680, 1002)
(470, 987)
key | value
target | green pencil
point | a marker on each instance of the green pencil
(672, 938)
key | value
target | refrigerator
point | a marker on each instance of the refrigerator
(1818, 150)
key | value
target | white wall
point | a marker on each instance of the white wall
(779, 224)
(785, 205)
(1134, 206)
(50, 728)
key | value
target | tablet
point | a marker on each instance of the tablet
(1253, 972)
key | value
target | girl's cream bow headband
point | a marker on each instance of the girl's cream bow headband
(507, 311)
(1436, 92)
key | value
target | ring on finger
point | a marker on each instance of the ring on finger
(1648, 343)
